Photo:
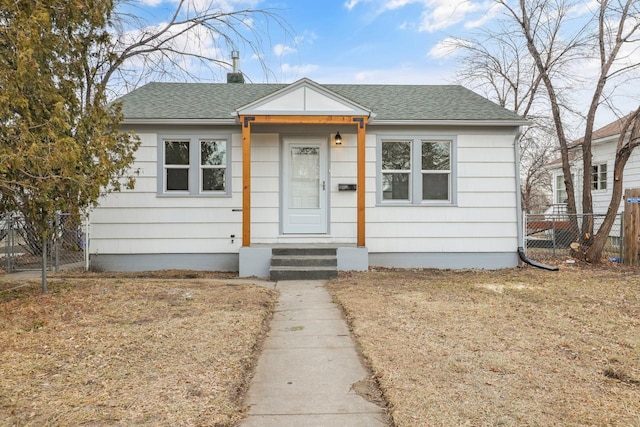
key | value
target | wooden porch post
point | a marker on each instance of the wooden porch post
(246, 179)
(362, 131)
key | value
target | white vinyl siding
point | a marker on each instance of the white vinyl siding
(482, 216)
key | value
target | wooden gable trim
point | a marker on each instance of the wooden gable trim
(246, 121)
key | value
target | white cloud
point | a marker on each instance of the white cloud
(298, 70)
(490, 11)
(152, 3)
(350, 4)
(444, 48)
(443, 14)
(438, 14)
(282, 50)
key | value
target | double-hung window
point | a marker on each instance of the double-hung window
(599, 176)
(416, 170)
(436, 170)
(561, 190)
(213, 165)
(194, 166)
(176, 165)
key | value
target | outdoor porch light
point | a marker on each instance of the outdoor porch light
(338, 138)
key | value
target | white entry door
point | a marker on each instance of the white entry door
(305, 187)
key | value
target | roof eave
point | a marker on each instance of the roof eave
(450, 122)
(156, 121)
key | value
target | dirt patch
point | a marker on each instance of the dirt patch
(158, 274)
(128, 351)
(368, 389)
(518, 347)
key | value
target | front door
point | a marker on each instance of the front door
(304, 189)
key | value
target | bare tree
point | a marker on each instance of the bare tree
(535, 180)
(189, 44)
(559, 47)
(496, 63)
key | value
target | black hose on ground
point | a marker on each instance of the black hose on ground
(533, 263)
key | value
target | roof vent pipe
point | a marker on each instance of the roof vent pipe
(235, 76)
(235, 56)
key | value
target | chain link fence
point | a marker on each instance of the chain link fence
(21, 247)
(549, 236)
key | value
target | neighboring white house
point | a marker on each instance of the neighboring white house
(424, 176)
(603, 151)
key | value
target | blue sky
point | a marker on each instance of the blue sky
(368, 42)
(358, 41)
(351, 41)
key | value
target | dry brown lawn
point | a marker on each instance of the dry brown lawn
(520, 347)
(128, 351)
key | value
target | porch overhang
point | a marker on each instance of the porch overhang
(247, 120)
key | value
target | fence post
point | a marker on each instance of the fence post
(524, 232)
(621, 234)
(554, 235)
(86, 243)
(7, 224)
(56, 239)
(11, 245)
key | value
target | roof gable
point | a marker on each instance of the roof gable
(304, 97)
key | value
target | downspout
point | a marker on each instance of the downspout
(521, 253)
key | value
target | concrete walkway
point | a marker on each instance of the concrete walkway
(308, 366)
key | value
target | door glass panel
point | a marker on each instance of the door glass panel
(304, 190)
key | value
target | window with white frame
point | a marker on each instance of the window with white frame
(436, 170)
(396, 169)
(561, 190)
(416, 170)
(213, 165)
(194, 166)
(176, 165)
(599, 177)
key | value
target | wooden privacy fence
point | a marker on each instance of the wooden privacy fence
(631, 226)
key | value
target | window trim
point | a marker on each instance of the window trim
(416, 172)
(195, 168)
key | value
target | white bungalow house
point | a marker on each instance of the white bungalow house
(385, 175)
(603, 151)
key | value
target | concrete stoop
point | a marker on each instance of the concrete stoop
(303, 264)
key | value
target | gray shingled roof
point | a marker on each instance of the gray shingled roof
(387, 102)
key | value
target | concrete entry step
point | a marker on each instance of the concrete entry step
(304, 260)
(304, 263)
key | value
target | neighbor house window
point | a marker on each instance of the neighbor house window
(561, 190)
(599, 177)
(194, 166)
(176, 165)
(415, 170)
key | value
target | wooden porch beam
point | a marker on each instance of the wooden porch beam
(362, 132)
(247, 121)
(303, 119)
(246, 180)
